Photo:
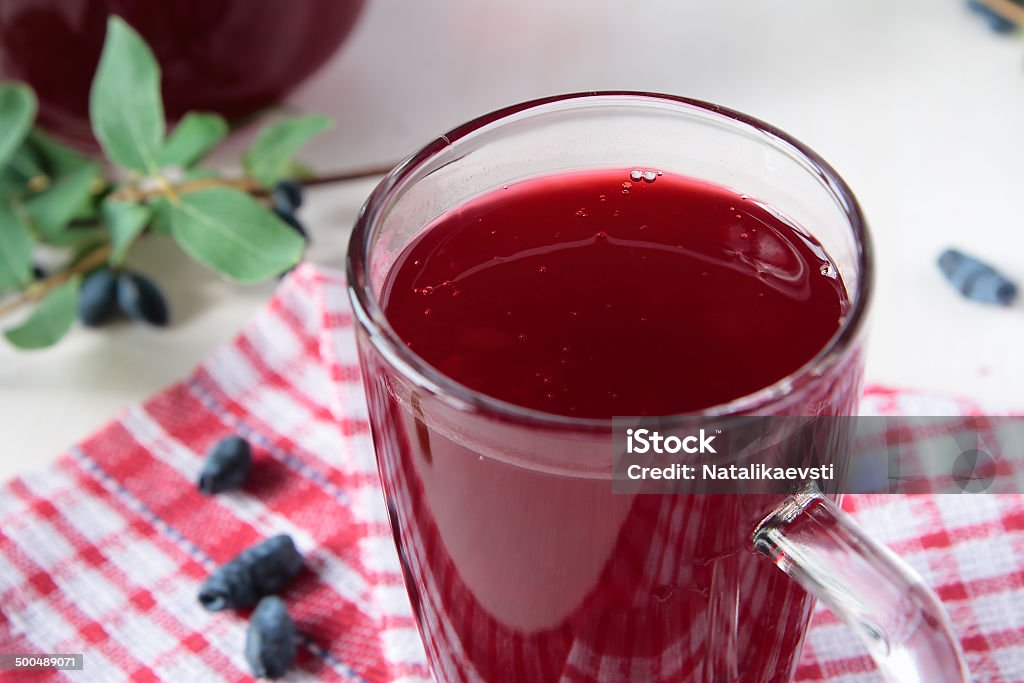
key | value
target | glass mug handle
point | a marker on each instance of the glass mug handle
(897, 617)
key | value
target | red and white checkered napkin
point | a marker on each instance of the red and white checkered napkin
(103, 552)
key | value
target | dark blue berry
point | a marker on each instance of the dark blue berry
(287, 195)
(976, 280)
(97, 299)
(293, 222)
(37, 272)
(260, 570)
(227, 466)
(272, 639)
(140, 299)
(996, 22)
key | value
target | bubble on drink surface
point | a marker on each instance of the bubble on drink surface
(582, 213)
(504, 187)
(427, 313)
(427, 291)
(636, 175)
(602, 198)
(626, 187)
(649, 176)
(542, 269)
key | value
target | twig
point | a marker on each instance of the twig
(135, 194)
(1007, 9)
(358, 174)
(43, 287)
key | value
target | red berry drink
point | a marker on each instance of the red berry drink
(588, 295)
(598, 293)
(232, 57)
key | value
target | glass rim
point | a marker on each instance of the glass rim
(368, 313)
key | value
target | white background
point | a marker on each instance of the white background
(916, 104)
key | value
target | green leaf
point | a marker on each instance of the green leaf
(160, 223)
(53, 208)
(58, 159)
(192, 138)
(270, 156)
(80, 238)
(50, 321)
(296, 170)
(200, 173)
(35, 164)
(9, 190)
(26, 163)
(11, 184)
(125, 108)
(15, 250)
(17, 111)
(232, 233)
(125, 221)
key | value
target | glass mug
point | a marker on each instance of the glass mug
(520, 562)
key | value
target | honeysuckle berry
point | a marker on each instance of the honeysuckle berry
(226, 466)
(975, 279)
(271, 640)
(287, 194)
(97, 298)
(258, 571)
(139, 298)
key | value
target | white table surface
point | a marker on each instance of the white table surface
(916, 104)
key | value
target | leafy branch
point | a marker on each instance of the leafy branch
(51, 196)
(38, 290)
